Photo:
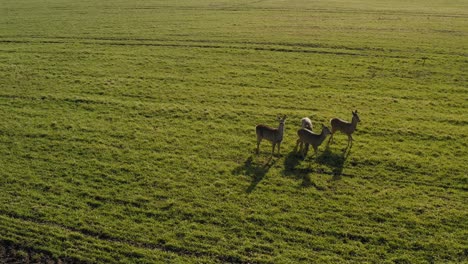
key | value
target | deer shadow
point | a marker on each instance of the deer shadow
(292, 160)
(334, 161)
(255, 171)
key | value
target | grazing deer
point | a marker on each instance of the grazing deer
(274, 135)
(345, 127)
(307, 124)
(308, 137)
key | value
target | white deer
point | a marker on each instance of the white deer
(306, 123)
(345, 127)
(274, 135)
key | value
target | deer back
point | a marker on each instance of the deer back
(341, 125)
(268, 133)
(308, 136)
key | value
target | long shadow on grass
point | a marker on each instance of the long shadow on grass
(291, 162)
(256, 171)
(334, 161)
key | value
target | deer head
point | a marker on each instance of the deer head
(355, 116)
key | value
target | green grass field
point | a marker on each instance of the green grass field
(127, 131)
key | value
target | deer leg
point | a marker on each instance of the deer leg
(331, 139)
(297, 145)
(350, 141)
(273, 149)
(304, 151)
(279, 146)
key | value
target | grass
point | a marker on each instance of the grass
(127, 132)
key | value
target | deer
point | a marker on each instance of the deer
(307, 124)
(308, 137)
(345, 127)
(274, 135)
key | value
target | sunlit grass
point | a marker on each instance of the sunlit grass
(128, 131)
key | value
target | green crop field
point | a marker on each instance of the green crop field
(127, 131)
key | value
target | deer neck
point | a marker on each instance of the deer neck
(322, 136)
(354, 123)
(280, 131)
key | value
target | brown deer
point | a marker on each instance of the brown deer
(307, 124)
(345, 127)
(274, 135)
(308, 137)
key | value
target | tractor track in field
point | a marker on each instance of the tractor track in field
(176, 45)
(311, 48)
(159, 245)
(251, 7)
(214, 45)
(377, 179)
(11, 253)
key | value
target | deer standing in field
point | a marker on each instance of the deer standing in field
(307, 124)
(345, 127)
(274, 135)
(308, 137)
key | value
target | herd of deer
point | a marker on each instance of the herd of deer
(306, 136)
